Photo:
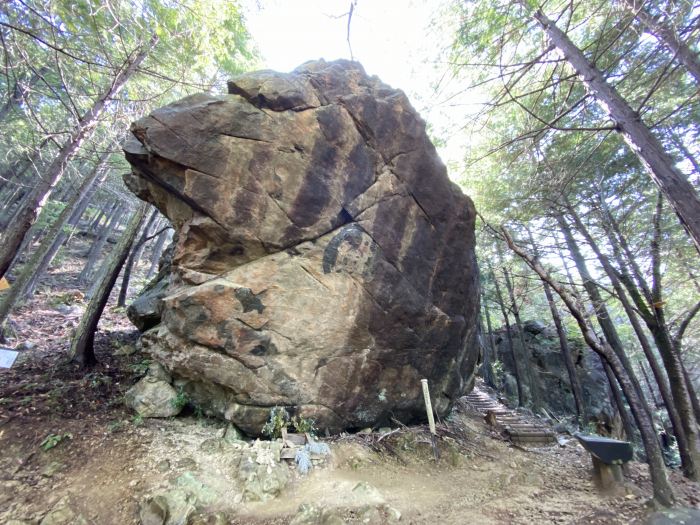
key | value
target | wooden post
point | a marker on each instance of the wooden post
(431, 419)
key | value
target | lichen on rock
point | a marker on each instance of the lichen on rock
(324, 262)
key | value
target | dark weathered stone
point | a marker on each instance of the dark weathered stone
(550, 370)
(324, 262)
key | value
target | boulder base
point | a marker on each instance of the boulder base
(324, 262)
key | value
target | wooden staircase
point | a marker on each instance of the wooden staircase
(516, 427)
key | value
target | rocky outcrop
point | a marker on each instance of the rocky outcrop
(548, 369)
(324, 262)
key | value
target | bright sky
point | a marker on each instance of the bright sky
(387, 36)
(390, 38)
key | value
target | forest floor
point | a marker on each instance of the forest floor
(70, 452)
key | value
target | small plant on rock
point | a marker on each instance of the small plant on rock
(304, 425)
(181, 400)
(279, 419)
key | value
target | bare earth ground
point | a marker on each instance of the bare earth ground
(107, 460)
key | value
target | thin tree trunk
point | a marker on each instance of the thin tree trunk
(133, 259)
(97, 219)
(648, 148)
(531, 373)
(99, 243)
(487, 369)
(576, 390)
(491, 347)
(509, 337)
(82, 345)
(13, 238)
(663, 492)
(619, 400)
(64, 234)
(650, 386)
(619, 404)
(667, 36)
(687, 446)
(157, 252)
(29, 270)
(601, 311)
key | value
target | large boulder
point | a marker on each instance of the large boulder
(324, 261)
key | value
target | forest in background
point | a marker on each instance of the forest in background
(583, 163)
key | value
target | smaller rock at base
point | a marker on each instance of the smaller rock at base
(173, 507)
(218, 518)
(153, 511)
(370, 516)
(380, 515)
(211, 446)
(63, 514)
(391, 514)
(309, 514)
(157, 371)
(125, 350)
(52, 469)
(233, 434)
(152, 397)
(677, 516)
(366, 493)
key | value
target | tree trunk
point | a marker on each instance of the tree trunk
(531, 372)
(601, 311)
(648, 148)
(490, 347)
(30, 268)
(509, 337)
(157, 252)
(82, 345)
(687, 446)
(133, 259)
(64, 234)
(663, 492)
(667, 36)
(650, 386)
(13, 238)
(99, 243)
(576, 390)
(612, 382)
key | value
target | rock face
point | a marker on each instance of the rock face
(550, 371)
(324, 262)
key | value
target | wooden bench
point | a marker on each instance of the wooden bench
(608, 456)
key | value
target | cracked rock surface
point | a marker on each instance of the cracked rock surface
(324, 262)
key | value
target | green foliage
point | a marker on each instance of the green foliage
(115, 426)
(304, 425)
(53, 440)
(65, 298)
(499, 372)
(49, 214)
(279, 419)
(181, 400)
(141, 367)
